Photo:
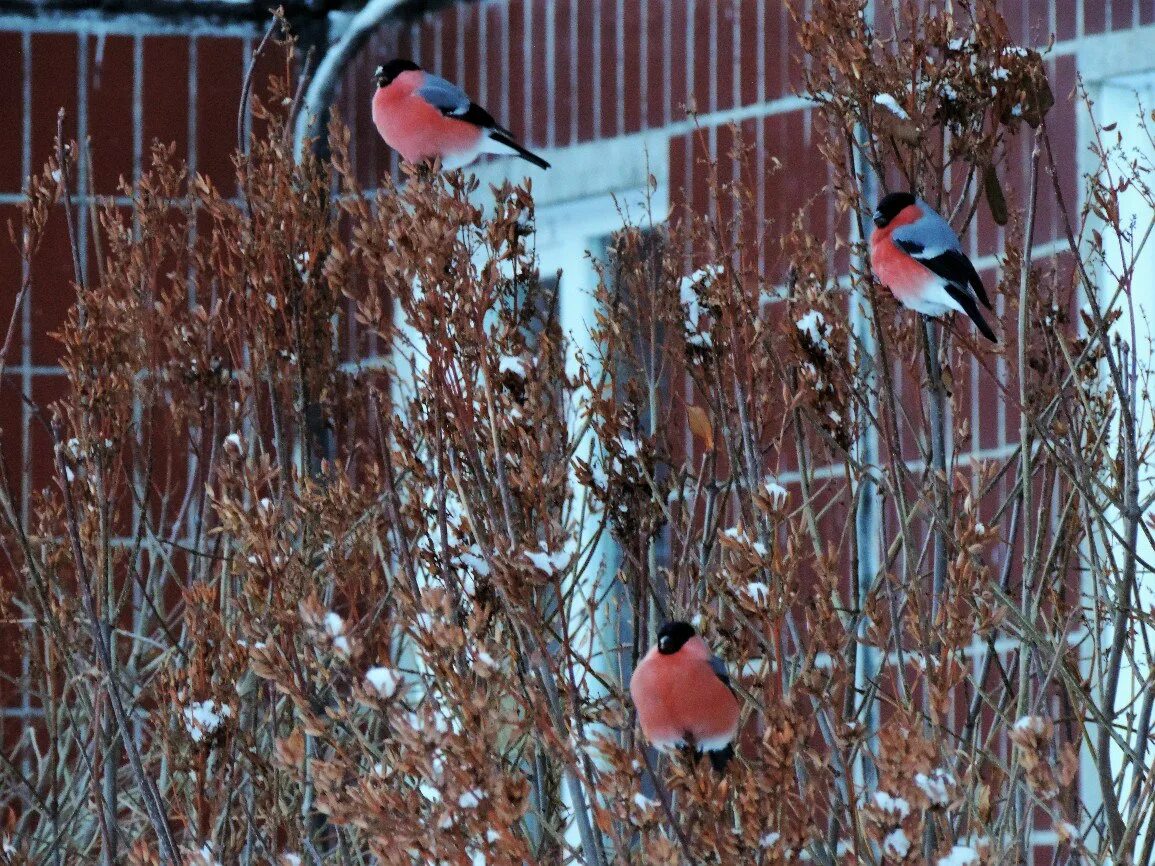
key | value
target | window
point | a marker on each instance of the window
(1124, 103)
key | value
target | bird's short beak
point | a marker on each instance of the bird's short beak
(663, 644)
(879, 219)
(378, 72)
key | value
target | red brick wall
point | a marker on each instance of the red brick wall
(558, 72)
(123, 88)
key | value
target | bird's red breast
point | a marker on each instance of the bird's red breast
(680, 694)
(900, 273)
(416, 129)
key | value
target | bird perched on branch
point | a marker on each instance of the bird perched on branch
(917, 255)
(422, 116)
(684, 697)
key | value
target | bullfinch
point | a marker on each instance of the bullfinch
(683, 695)
(422, 116)
(917, 255)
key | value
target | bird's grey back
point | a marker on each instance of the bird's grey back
(443, 94)
(932, 232)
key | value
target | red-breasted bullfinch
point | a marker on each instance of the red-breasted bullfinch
(683, 695)
(422, 116)
(917, 255)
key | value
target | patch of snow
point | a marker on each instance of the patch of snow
(512, 364)
(891, 104)
(552, 561)
(471, 798)
(643, 802)
(629, 446)
(896, 843)
(958, 43)
(769, 839)
(335, 629)
(813, 325)
(960, 855)
(893, 805)
(473, 560)
(688, 293)
(740, 536)
(334, 625)
(1030, 723)
(384, 680)
(202, 718)
(758, 591)
(936, 786)
(1000, 74)
(777, 493)
(701, 339)
(206, 853)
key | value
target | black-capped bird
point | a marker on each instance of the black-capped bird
(422, 116)
(683, 695)
(917, 255)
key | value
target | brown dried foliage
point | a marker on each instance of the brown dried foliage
(361, 611)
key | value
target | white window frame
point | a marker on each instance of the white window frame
(590, 192)
(1114, 67)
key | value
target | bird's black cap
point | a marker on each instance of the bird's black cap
(386, 72)
(673, 636)
(890, 207)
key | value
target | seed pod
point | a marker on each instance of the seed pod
(994, 193)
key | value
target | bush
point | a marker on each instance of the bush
(286, 606)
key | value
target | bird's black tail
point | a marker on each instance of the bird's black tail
(720, 758)
(967, 302)
(521, 151)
